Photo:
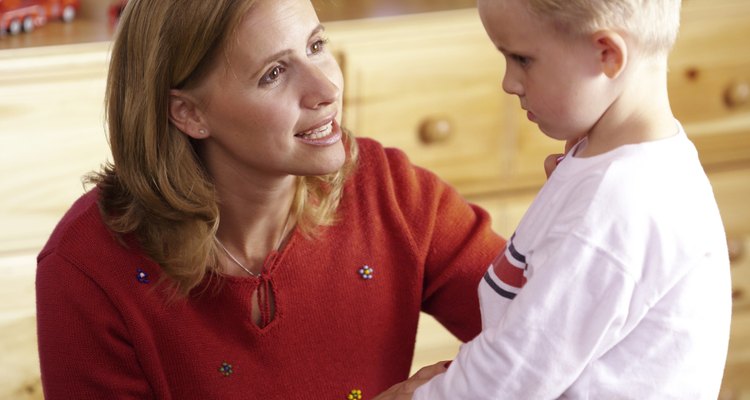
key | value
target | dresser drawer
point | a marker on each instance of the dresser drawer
(739, 250)
(52, 130)
(709, 80)
(19, 363)
(736, 384)
(732, 190)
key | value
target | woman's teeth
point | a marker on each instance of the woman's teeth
(318, 133)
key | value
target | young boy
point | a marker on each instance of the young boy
(616, 283)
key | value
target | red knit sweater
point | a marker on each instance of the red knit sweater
(106, 331)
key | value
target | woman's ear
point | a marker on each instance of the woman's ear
(612, 52)
(185, 115)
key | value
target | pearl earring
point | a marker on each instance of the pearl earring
(202, 132)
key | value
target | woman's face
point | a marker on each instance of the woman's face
(272, 106)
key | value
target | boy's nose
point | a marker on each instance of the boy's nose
(511, 85)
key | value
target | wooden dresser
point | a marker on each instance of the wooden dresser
(427, 83)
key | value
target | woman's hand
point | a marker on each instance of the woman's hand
(405, 389)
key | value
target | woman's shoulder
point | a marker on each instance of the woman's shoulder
(73, 222)
(386, 175)
(382, 163)
(82, 248)
(372, 151)
(82, 235)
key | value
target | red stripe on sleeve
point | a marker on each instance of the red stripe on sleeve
(507, 272)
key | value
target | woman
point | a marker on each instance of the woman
(242, 244)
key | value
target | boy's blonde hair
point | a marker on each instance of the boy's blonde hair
(651, 24)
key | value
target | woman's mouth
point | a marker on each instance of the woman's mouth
(317, 133)
(323, 135)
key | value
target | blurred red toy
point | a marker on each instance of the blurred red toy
(18, 16)
(115, 10)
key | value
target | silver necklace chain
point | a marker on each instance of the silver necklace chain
(239, 264)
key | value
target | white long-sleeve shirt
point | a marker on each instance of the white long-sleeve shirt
(615, 285)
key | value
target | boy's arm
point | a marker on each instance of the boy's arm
(558, 323)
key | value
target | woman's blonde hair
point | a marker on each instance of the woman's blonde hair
(156, 186)
(652, 24)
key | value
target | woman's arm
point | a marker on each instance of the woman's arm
(85, 349)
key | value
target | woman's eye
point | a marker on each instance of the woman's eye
(272, 75)
(318, 46)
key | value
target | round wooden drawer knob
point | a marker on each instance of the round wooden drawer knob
(435, 130)
(736, 248)
(737, 94)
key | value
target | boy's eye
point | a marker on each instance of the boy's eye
(521, 60)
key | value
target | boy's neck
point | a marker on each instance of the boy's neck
(640, 112)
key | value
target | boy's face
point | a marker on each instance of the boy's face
(557, 78)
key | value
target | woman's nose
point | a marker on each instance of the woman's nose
(320, 88)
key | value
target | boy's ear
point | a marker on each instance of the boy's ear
(612, 52)
(185, 115)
